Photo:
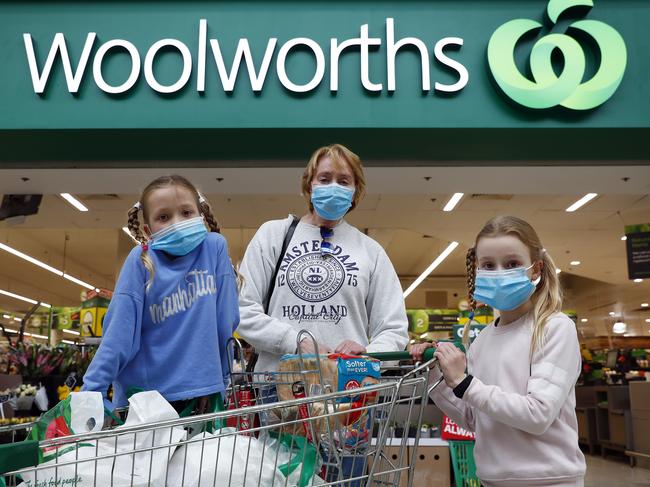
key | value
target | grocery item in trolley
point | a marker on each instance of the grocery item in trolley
(338, 372)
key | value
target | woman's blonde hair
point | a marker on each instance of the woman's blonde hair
(547, 298)
(339, 154)
(134, 223)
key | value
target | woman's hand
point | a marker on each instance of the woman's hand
(418, 349)
(307, 347)
(452, 363)
(349, 347)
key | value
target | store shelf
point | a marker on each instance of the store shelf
(411, 442)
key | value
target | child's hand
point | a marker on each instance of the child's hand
(452, 363)
(350, 347)
(418, 349)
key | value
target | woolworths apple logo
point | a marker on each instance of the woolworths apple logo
(567, 89)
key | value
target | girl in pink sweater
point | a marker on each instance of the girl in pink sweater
(518, 393)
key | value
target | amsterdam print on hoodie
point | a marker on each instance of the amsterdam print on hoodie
(353, 294)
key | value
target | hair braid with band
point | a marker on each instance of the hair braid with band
(205, 209)
(134, 224)
(470, 261)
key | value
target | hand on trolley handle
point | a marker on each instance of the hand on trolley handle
(451, 360)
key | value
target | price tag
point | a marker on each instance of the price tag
(3, 399)
(71, 381)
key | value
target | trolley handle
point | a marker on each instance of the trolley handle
(404, 355)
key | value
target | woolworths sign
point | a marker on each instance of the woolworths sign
(547, 89)
(430, 64)
(256, 70)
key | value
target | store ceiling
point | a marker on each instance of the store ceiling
(403, 211)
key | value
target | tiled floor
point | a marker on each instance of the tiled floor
(614, 473)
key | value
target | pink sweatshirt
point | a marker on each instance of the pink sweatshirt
(523, 411)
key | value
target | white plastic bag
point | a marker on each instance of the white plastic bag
(227, 460)
(41, 399)
(81, 412)
(148, 468)
(233, 459)
(86, 413)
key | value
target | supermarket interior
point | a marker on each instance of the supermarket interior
(59, 265)
(459, 111)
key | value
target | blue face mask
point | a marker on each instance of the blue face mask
(331, 201)
(180, 238)
(504, 290)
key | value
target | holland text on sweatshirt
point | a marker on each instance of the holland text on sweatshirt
(353, 294)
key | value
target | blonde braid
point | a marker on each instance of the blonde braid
(470, 262)
(136, 231)
(212, 222)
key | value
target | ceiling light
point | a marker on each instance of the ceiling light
(611, 313)
(619, 327)
(453, 201)
(79, 281)
(19, 320)
(43, 265)
(581, 202)
(638, 280)
(31, 260)
(647, 320)
(557, 271)
(68, 342)
(34, 335)
(584, 320)
(71, 332)
(644, 305)
(74, 201)
(450, 248)
(18, 296)
(624, 237)
(575, 262)
(6, 317)
(126, 230)
(23, 298)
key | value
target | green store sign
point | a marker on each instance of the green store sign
(316, 64)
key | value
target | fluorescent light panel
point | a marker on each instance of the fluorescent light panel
(581, 202)
(23, 298)
(31, 260)
(445, 253)
(71, 332)
(43, 265)
(74, 201)
(126, 230)
(78, 281)
(453, 201)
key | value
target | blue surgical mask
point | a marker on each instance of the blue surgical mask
(331, 201)
(180, 238)
(504, 290)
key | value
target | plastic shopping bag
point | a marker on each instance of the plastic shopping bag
(81, 412)
(147, 468)
(228, 458)
(76, 464)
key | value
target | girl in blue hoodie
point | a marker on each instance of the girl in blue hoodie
(175, 304)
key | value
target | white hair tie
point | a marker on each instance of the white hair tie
(138, 205)
(201, 198)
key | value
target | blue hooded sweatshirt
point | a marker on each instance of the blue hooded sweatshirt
(173, 337)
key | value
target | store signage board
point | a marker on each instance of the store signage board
(638, 251)
(311, 64)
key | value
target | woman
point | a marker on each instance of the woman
(332, 279)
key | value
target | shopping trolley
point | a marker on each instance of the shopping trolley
(254, 441)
